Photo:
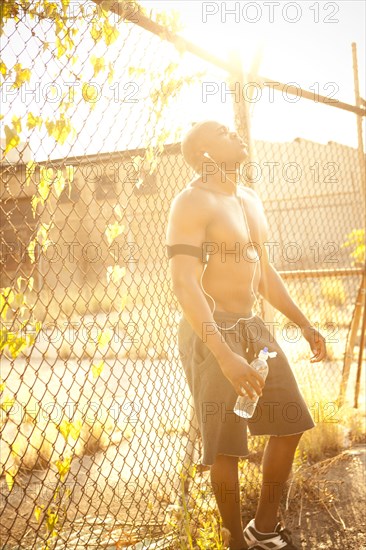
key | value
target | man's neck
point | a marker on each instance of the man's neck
(227, 181)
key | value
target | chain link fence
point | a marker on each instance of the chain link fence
(98, 438)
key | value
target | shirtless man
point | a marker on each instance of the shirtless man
(218, 218)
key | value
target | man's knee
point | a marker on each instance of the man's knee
(222, 460)
(290, 440)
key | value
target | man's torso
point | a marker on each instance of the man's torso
(233, 269)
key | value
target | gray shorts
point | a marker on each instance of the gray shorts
(281, 409)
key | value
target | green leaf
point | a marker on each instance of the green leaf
(104, 338)
(136, 71)
(115, 273)
(19, 281)
(6, 299)
(8, 402)
(110, 33)
(113, 230)
(89, 93)
(64, 428)
(52, 518)
(110, 73)
(98, 64)
(50, 9)
(59, 183)
(59, 129)
(16, 345)
(44, 186)
(96, 31)
(123, 302)
(19, 300)
(21, 75)
(34, 202)
(75, 428)
(70, 172)
(3, 68)
(72, 429)
(30, 283)
(12, 139)
(33, 121)
(9, 478)
(31, 248)
(63, 467)
(37, 513)
(97, 369)
(17, 123)
(29, 171)
(118, 211)
(65, 5)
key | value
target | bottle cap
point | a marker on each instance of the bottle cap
(267, 354)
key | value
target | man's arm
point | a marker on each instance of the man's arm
(273, 289)
(187, 224)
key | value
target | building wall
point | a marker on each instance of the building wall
(313, 202)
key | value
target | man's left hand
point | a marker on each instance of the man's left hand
(316, 342)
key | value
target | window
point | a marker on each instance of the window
(106, 188)
(70, 195)
(17, 228)
(148, 185)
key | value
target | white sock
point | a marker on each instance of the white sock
(261, 532)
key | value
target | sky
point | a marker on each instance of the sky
(306, 43)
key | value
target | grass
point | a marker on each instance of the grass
(333, 291)
(199, 525)
(197, 521)
(31, 440)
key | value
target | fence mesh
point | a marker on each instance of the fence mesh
(97, 427)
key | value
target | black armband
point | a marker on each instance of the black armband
(187, 249)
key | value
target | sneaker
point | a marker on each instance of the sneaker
(280, 538)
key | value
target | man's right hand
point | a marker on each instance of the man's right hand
(244, 379)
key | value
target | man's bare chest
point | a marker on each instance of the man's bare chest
(232, 222)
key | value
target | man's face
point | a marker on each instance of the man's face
(223, 145)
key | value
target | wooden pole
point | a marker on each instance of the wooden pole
(126, 13)
(236, 82)
(348, 357)
(359, 102)
(360, 355)
(361, 159)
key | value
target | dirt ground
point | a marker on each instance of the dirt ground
(327, 511)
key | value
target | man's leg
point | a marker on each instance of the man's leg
(225, 484)
(277, 462)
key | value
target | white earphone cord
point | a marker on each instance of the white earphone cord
(255, 268)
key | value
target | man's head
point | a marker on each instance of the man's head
(211, 140)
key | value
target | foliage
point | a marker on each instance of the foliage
(356, 241)
(19, 328)
(333, 291)
(66, 22)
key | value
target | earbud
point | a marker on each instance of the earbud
(209, 158)
(206, 155)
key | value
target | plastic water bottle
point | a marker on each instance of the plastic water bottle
(245, 406)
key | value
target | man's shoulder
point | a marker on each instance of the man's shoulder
(193, 204)
(246, 191)
(249, 194)
(192, 195)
